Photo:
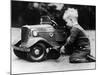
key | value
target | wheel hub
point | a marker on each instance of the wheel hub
(37, 51)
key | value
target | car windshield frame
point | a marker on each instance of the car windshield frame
(47, 20)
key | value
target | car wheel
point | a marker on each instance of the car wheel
(37, 52)
(53, 54)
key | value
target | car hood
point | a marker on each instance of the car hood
(41, 28)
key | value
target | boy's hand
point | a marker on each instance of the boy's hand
(62, 50)
(68, 39)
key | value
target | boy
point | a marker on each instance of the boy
(77, 44)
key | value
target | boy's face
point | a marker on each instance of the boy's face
(69, 22)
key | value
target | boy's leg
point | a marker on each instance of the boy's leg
(80, 54)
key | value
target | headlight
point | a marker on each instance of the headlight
(34, 33)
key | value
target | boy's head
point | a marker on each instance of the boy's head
(71, 16)
(36, 5)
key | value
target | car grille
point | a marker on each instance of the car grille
(25, 34)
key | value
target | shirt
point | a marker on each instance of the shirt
(78, 36)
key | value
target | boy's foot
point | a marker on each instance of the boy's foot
(90, 58)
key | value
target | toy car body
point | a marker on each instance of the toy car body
(37, 40)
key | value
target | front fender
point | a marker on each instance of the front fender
(32, 41)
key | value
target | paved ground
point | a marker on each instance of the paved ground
(62, 64)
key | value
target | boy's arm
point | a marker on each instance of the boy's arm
(73, 36)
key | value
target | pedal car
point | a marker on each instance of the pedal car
(38, 40)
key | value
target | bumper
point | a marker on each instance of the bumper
(21, 49)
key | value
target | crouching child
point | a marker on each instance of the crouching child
(77, 44)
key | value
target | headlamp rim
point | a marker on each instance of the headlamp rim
(34, 33)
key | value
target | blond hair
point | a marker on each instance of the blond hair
(70, 13)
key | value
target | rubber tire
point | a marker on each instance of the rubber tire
(40, 46)
(53, 54)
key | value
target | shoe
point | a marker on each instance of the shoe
(90, 58)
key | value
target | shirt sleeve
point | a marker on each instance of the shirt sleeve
(73, 35)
